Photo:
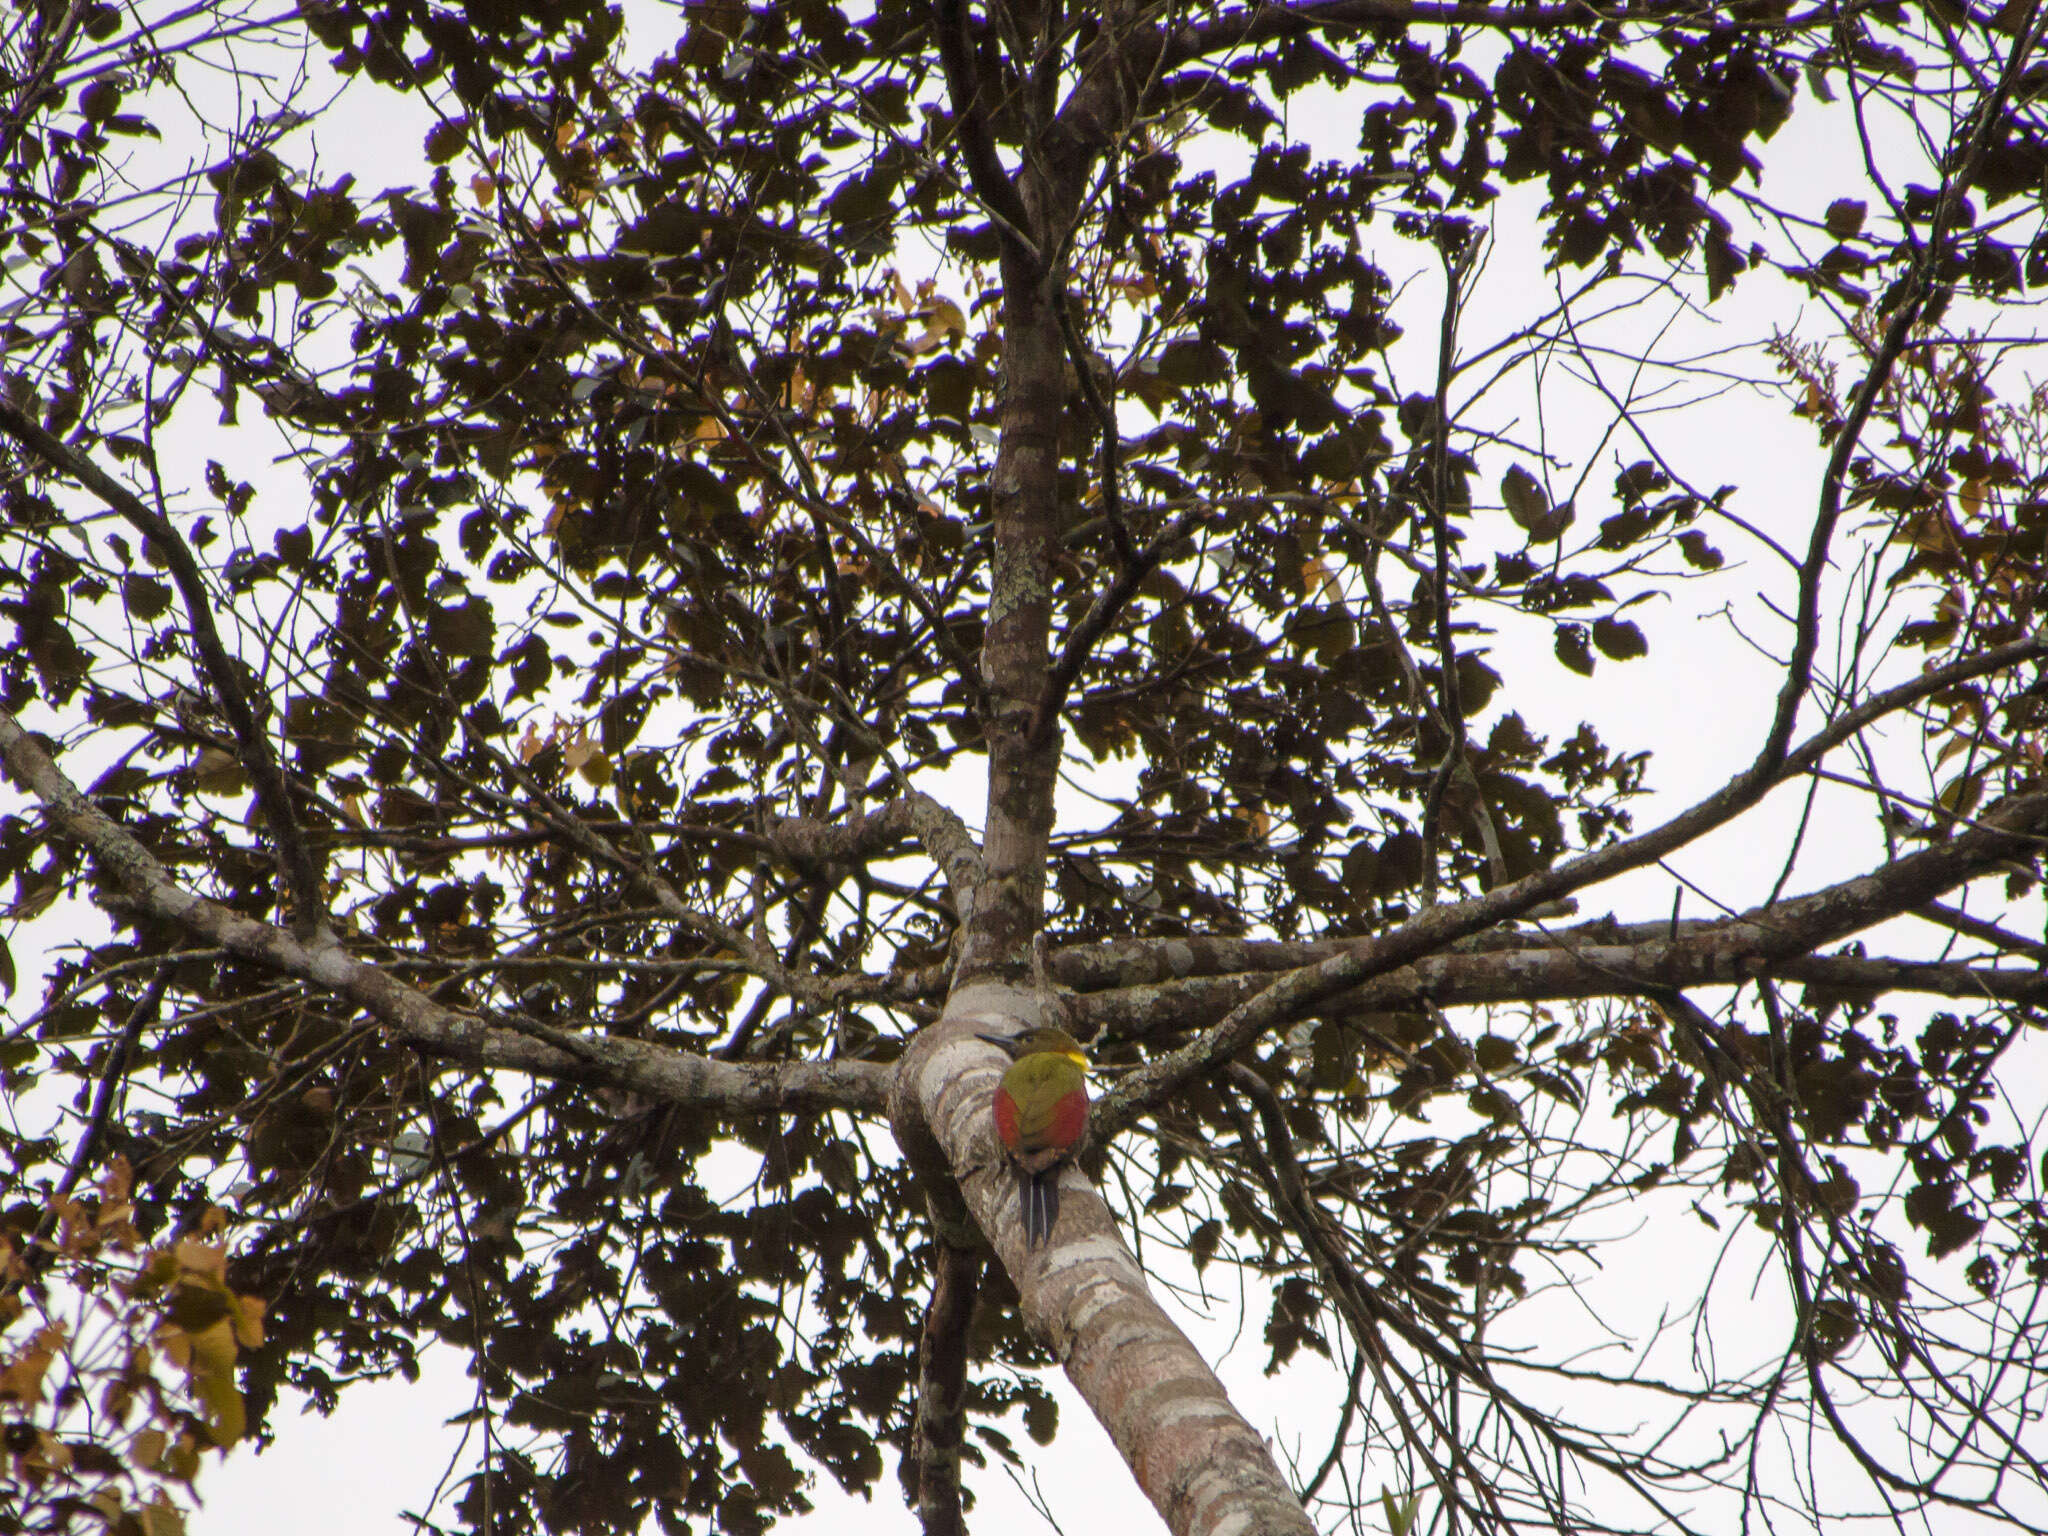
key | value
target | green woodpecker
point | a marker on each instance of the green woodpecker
(1041, 1114)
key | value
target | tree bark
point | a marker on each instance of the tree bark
(1205, 1469)
(1023, 752)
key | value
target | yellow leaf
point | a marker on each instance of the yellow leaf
(206, 1261)
(146, 1450)
(176, 1344)
(1959, 796)
(226, 1417)
(213, 1351)
(247, 1318)
(22, 1381)
(116, 1181)
(588, 759)
(941, 320)
(159, 1272)
(213, 1379)
(1317, 581)
(182, 1459)
(218, 773)
(1930, 531)
(48, 1454)
(196, 1306)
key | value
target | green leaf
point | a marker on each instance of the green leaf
(1844, 217)
(1570, 645)
(445, 139)
(1699, 554)
(1619, 639)
(145, 596)
(1529, 505)
(1496, 1053)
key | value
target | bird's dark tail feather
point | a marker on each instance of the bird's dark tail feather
(1039, 1194)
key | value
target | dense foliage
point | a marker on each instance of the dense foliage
(554, 504)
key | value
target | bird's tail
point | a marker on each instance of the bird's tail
(1039, 1193)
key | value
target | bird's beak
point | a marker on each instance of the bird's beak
(1007, 1043)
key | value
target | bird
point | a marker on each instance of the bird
(1041, 1115)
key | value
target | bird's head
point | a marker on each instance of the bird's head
(1042, 1040)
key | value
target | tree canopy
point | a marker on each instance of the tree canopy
(557, 674)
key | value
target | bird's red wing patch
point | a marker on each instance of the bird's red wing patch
(1005, 1109)
(1069, 1119)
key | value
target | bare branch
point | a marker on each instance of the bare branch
(1453, 255)
(1919, 286)
(1110, 473)
(1977, 928)
(1254, 24)
(1263, 23)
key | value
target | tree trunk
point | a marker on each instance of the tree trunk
(1201, 1464)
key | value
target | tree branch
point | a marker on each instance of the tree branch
(757, 960)
(113, 1073)
(1280, 1171)
(305, 895)
(936, 828)
(1205, 1469)
(1977, 928)
(1265, 23)
(1468, 923)
(1111, 471)
(1262, 23)
(1773, 940)
(1919, 286)
(674, 1077)
(1365, 1307)
(985, 171)
(1454, 261)
(942, 1390)
(1556, 975)
(1080, 641)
